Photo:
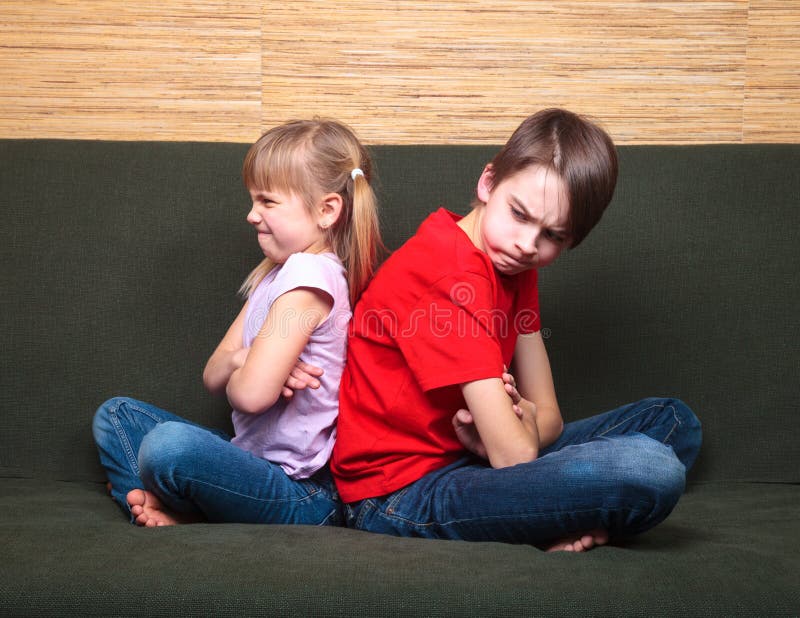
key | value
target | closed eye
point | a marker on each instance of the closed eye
(519, 214)
(556, 237)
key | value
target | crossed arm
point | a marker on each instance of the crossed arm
(508, 420)
(253, 378)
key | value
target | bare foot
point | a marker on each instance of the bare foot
(148, 510)
(581, 543)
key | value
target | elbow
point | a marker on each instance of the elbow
(210, 385)
(250, 403)
(521, 455)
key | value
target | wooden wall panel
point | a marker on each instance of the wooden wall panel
(406, 71)
(143, 69)
(772, 100)
(468, 71)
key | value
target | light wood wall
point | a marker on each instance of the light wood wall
(400, 72)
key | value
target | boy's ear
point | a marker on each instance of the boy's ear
(330, 207)
(485, 183)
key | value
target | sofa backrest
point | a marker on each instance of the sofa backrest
(120, 263)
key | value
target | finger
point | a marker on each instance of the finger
(513, 393)
(294, 383)
(304, 378)
(517, 411)
(287, 392)
(464, 417)
(309, 369)
(299, 380)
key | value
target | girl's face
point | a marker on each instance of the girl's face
(523, 221)
(285, 225)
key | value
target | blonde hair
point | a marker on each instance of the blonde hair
(311, 158)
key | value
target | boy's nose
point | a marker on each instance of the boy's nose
(253, 217)
(527, 244)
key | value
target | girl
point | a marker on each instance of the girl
(435, 438)
(315, 216)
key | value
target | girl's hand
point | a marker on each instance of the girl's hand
(302, 376)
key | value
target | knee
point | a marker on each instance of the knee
(651, 474)
(165, 438)
(161, 447)
(169, 447)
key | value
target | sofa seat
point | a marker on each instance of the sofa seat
(68, 540)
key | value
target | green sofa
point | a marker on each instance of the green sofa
(120, 263)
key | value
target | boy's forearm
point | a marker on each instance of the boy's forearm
(549, 424)
(508, 440)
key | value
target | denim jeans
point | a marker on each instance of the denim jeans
(197, 471)
(622, 471)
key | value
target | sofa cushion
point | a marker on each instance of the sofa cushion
(725, 551)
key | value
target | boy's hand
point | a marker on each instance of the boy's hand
(511, 388)
(302, 376)
(464, 424)
(467, 433)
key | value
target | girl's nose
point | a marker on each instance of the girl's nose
(253, 217)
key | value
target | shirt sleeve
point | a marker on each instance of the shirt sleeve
(449, 337)
(306, 270)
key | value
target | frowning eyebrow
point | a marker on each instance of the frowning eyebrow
(521, 205)
(262, 193)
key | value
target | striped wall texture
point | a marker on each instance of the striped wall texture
(400, 72)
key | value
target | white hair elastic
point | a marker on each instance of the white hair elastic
(357, 172)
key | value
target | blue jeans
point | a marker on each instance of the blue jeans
(197, 471)
(622, 471)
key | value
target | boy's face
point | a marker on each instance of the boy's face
(523, 222)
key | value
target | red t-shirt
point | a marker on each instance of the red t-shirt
(436, 315)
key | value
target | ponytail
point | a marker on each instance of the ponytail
(313, 157)
(364, 240)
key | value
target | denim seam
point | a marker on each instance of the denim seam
(639, 413)
(123, 437)
(305, 498)
(423, 525)
(362, 512)
(675, 426)
(392, 502)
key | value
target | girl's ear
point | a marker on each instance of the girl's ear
(485, 183)
(330, 207)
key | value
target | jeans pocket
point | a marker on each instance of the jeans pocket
(391, 506)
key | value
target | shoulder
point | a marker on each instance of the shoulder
(440, 247)
(311, 270)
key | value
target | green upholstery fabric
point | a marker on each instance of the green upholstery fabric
(120, 263)
(723, 552)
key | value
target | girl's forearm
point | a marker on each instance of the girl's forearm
(251, 392)
(220, 368)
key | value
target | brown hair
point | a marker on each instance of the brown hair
(579, 151)
(311, 158)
